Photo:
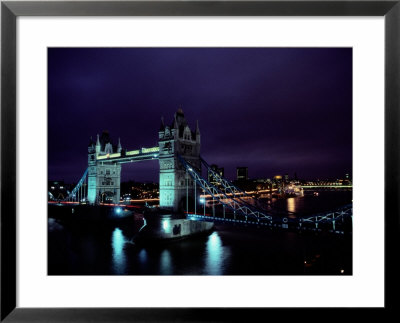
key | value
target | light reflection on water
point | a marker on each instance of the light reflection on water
(118, 253)
(142, 256)
(166, 263)
(212, 262)
(291, 204)
(216, 253)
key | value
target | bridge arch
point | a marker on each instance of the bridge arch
(106, 196)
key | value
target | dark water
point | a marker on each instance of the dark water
(229, 250)
(310, 204)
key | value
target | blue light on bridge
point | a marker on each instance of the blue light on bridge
(202, 200)
(166, 225)
(118, 210)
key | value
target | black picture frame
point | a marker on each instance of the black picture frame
(10, 10)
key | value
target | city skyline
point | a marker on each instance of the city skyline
(273, 110)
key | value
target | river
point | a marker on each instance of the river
(229, 250)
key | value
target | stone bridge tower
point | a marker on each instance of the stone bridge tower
(104, 178)
(174, 182)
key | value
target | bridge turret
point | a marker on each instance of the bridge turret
(119, 146)
(163, 129)
(174, 140)
(91, 150)
(162, 125)
(92, 169)
(180, 118)
(91, 145)
(197, 132)
(98, 146)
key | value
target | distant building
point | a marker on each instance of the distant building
(263, 180)
(347, 180)
(56, 185)
(286, 178)
(242, 174)
(58, 190)
(216, 169)
(260, 180)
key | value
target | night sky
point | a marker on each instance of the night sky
(274, 110)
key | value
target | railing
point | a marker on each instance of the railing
(238, 194)
(231, 203)
(78, 193)
(251, 213)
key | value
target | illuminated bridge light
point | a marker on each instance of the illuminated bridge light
(166, 226)
(150, 150)
(132, 152)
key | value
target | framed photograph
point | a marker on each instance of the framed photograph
(198, 161)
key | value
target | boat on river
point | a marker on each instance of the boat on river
(292, 190)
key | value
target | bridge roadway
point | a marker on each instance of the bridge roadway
(130, 156)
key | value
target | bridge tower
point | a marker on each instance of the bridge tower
(176, 187)
(104, 178)
(92, 173)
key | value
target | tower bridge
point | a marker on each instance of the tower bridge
(181, 180)
(105, 160)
